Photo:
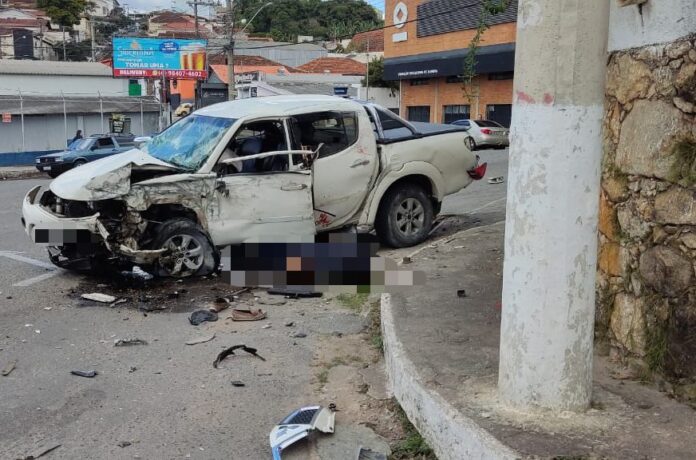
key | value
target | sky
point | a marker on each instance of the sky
(181, 5)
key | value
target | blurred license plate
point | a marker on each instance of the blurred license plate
(46, 168)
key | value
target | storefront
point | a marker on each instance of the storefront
(426, 49)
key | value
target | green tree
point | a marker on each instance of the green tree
(65, 12)
(375, 75)
(74, 51)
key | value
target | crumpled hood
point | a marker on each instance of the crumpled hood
(105, 178)
(57, 154)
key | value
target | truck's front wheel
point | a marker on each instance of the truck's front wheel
(189, 251)
(405, 216)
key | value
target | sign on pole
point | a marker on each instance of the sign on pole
(6, 117)
(136, 57)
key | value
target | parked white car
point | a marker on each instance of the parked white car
(484, 133)
(255, 170)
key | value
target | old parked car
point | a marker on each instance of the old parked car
(264, 169)
(82, 151)
(184, 109)
(484, 133)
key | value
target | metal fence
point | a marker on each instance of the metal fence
(33, 122)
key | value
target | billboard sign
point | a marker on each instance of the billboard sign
(136, 57)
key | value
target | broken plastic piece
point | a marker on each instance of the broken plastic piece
(368, 454)
(201, 340)
(461, 293)
(201, 316)
(97, 297)
(496, 180)
(230, 351)
(298, 425)
(88, 374)
(238, 383)
(9, 368)
(129, 341)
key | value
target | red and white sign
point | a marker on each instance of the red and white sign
(147, 73)
(7, 117)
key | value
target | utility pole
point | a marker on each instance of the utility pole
(91, 23)
(64, 53)
(547, 327)
(232, 83)
(367, 77)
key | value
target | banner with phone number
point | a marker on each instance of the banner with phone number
(135, 57)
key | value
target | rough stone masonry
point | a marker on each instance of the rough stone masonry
(646, 284)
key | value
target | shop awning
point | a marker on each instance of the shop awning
(489, 59)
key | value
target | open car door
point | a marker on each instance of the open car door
(274, 206)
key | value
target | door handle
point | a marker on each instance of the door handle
(360, 163)
(293, 187)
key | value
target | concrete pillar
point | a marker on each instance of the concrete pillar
(552, 205)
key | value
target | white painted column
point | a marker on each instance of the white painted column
(552, 205)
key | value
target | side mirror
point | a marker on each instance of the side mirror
(139, 141)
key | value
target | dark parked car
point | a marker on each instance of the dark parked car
(84, 150)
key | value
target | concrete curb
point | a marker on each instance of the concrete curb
(16, 174)
(452, 435)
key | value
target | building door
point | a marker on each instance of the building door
(452, 113)
(502, 113)
(419, 113)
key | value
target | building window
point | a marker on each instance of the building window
(420, 82)
(455, 79)
(501, 76)
(419, 113)
(452, 113)
(501, 113)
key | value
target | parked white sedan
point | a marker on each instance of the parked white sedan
(484, 133)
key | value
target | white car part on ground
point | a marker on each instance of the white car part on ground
(298, 425)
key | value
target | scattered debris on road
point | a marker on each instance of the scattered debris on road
(127, 342)
(298, 335)
(368, 454)
(290, 324)
(496, 180)
(230, 351)
(298, 425)
(461, 293)
(271, 301)
(48, 308)
(246, 314)
(41, 452)
(201, 316)
(87, 374)
(406, 261)
(295, 293)
(220, 304)
(203, 339)
(123, 444)
(118, 302)
(7, 370)
(237, 383)
(97, 297)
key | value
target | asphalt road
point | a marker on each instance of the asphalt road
(164, 398)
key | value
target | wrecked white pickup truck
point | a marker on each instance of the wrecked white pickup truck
(253, 170)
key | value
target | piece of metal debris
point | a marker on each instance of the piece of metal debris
(41, 452)
(461, 293)
(237, 383)
(230, 351)
(129, 342)
(203, 339)
(97, 297)
(48, 308)
(7, 370)
(298, 335)
(290, 324)
(201, 316)
(298, 425)
(123, 444)
(294, 293)
(87, 374)
(368, 454)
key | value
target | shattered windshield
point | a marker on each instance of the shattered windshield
(189, 142)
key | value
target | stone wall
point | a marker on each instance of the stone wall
(646, 307)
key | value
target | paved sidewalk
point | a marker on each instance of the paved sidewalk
(442, 358)
(20, 172)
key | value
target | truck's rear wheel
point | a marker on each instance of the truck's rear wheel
(190, 252)
(405, 216)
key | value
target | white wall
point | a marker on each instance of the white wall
(661, 21)
(68, 84)
(381, 96)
